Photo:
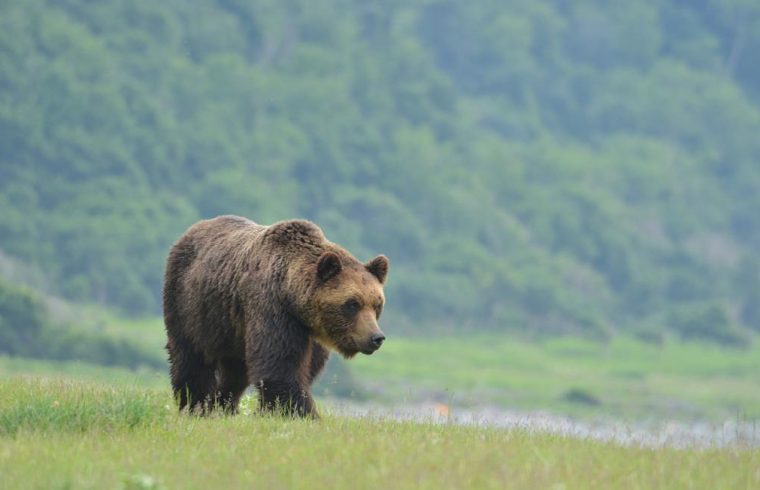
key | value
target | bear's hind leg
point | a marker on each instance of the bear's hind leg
(232, 380)
(193, 380)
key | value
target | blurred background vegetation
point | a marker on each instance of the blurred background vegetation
(531, 168)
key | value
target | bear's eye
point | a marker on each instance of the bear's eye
(351, 306)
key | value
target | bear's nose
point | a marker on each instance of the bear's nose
(377, 339)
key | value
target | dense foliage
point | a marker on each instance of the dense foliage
(538, 166)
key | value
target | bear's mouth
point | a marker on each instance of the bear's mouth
(370, 348)
(346, 348)
(349, 347)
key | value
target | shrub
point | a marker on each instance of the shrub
(710, 322)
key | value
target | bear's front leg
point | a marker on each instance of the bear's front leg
(278, 355)
(286, 397)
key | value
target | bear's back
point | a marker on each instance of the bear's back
(224, 225)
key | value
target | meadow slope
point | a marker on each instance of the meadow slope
(623, 379)
(65, 434)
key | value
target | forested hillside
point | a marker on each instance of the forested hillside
(552, 166)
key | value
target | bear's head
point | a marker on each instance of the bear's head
(346, 303)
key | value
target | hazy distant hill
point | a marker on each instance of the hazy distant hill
(535, 166)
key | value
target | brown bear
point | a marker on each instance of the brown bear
(264, 305)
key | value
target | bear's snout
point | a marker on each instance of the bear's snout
(373, 343)
(377, 339)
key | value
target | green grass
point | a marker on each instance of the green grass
(56, 405)
(64, 434)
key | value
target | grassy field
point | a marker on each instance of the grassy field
(74, 370)
(625, 379)
(64, 434)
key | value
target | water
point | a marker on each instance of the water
(652, 433)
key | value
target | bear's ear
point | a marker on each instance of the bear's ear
(379, 267)
(328, 266)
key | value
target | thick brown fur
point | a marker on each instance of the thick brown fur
(250, 304)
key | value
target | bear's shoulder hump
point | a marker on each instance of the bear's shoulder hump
(295, 230)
